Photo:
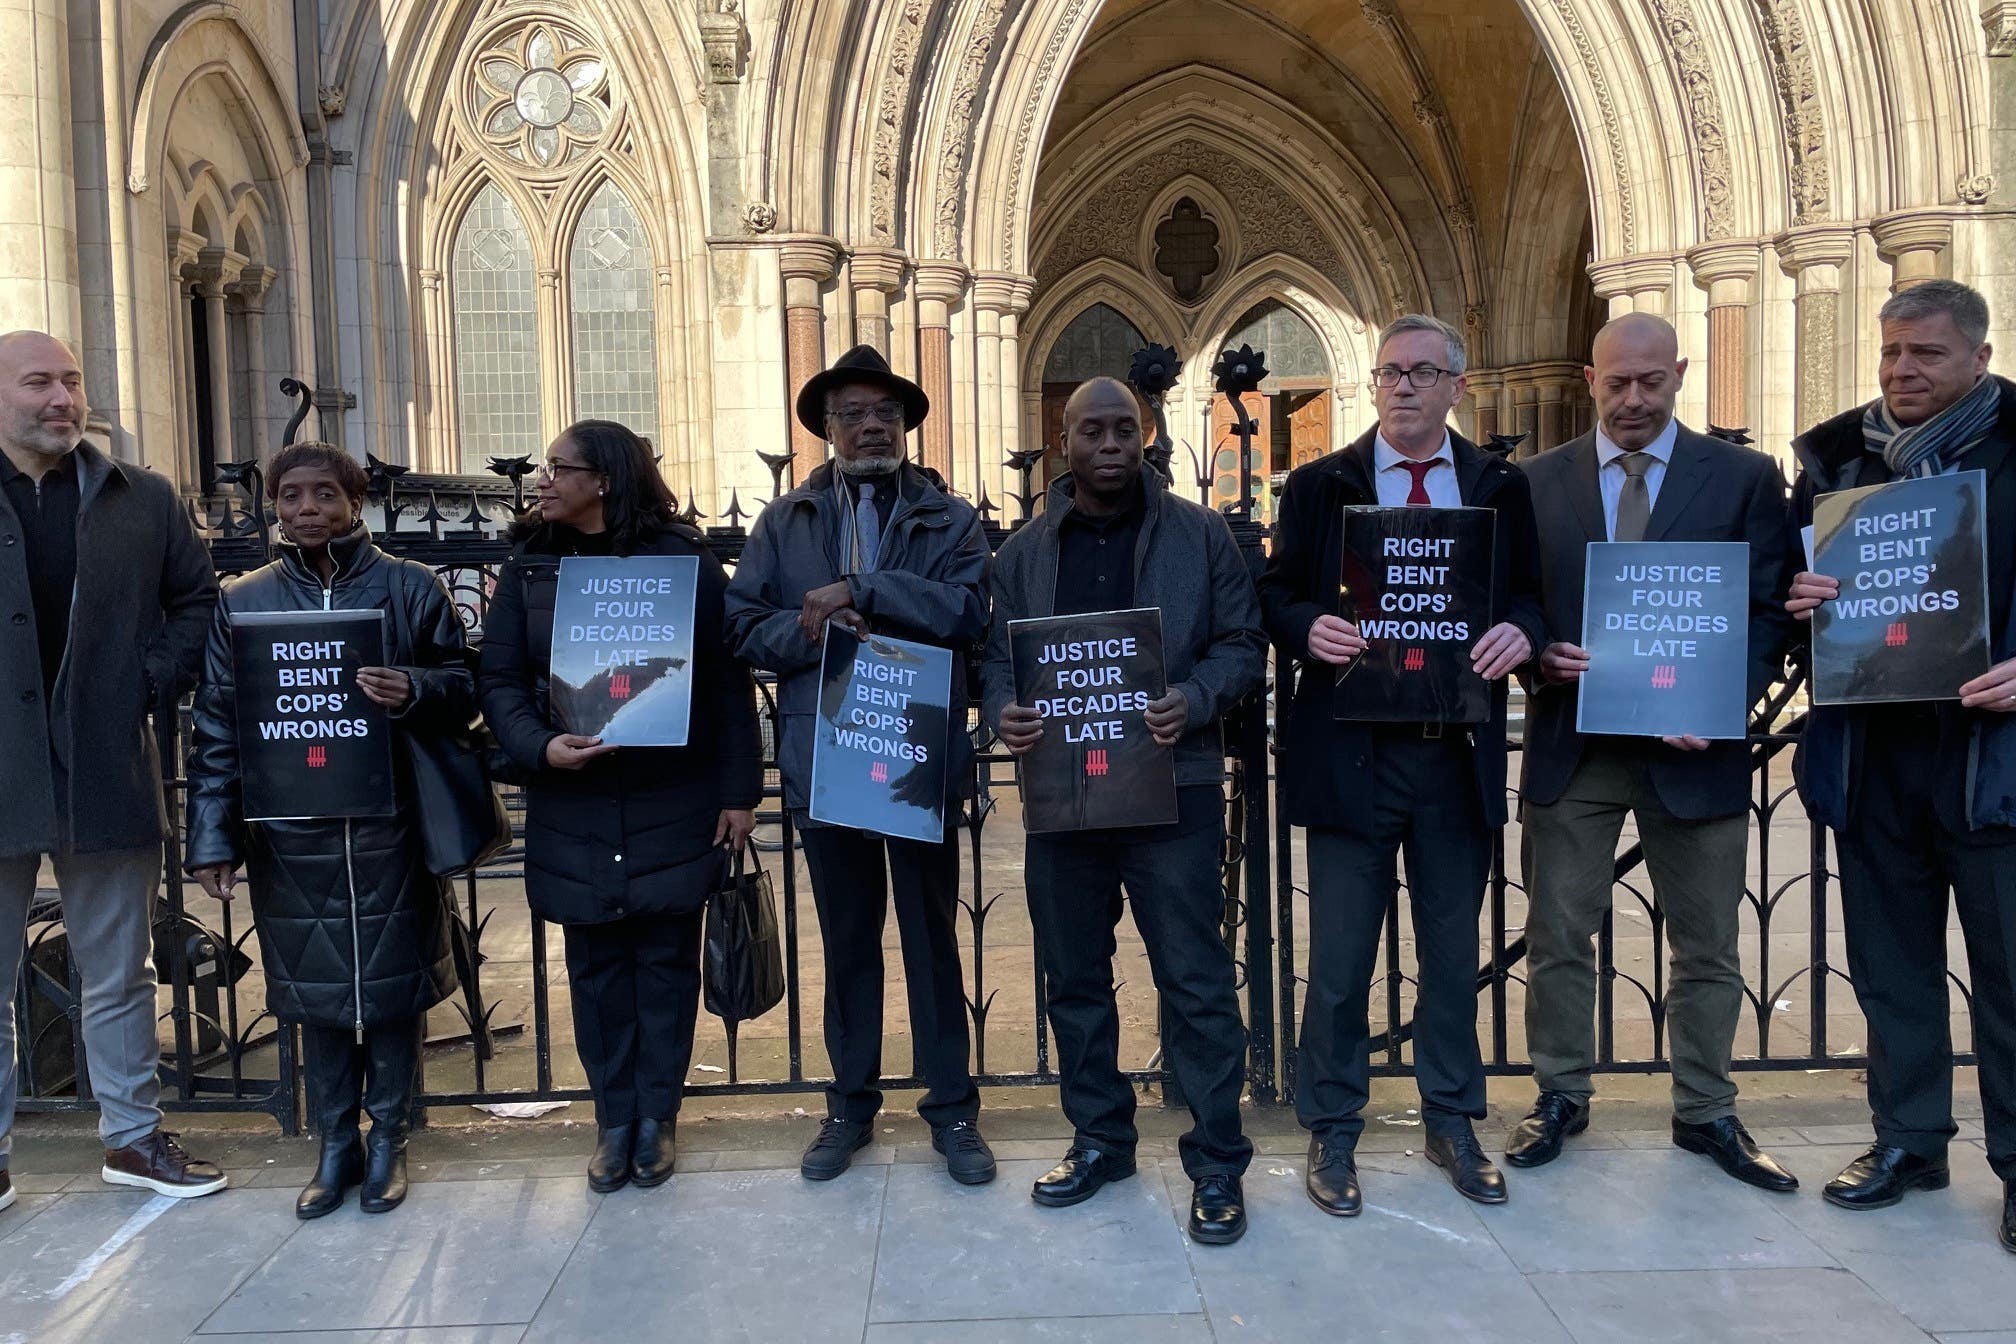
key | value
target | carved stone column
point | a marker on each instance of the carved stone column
(1814, 258)
(1021, 289)
(183, 249)
(1486, 385)
(1634, 284)
(1726, 271)
(877, 274)
(1914, 242)
(215, 271)
(940, 285)
(250, 292)
(808, 262)
(40, 286)
(998, 382)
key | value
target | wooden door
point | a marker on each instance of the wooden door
(1225, 447)
(1308, 427)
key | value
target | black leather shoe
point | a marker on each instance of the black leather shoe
(1537, 1139)
(341, 1168)
(1081, 1175)
(1217, 1210)
(609, 1168)
(384, 1187)
(968, 1159)
(651, 1158)
(1469, 1170)
(833, 1151)
(1735, 1152)
(1332, 1181)
(1879, 1178)
(2008, 1229)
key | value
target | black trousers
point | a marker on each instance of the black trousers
(1172, 880)
(377, 1077)
(850, 889)
(1421, 800)
(1901, 856)
(635, 984)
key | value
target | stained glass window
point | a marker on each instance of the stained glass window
(1099, 341)
(496, 335)
(615, 320)
(1293, 348)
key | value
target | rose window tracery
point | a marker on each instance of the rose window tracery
(539, 94)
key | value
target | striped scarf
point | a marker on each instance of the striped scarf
(1938, 444)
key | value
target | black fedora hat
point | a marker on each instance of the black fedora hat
(862, 364)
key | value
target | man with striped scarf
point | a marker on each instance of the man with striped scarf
(1921, 797)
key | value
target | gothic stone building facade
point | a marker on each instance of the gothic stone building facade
(463, 223)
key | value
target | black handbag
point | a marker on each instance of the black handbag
(462, 821)
(744, 956)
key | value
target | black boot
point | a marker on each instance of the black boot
(335, 1081)
(393, 1058)
(615, 1150)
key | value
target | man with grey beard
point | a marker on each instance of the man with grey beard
(875, 544)
(106, 594)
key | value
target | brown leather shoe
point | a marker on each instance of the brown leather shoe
(160, 1164)
(6, 1190)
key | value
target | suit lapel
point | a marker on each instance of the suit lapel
(1685, 475)
(1585, 490)
(1471, 462)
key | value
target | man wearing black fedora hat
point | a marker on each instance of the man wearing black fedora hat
(873, 542)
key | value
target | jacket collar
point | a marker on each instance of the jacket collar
(921, 488)
(1353, 465)
(353, 553)
(1061, 500)
(1829, 451)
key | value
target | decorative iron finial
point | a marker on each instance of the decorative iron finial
(1154, 370)
(986, 508)
(778, 463)
(514, 470)
(735, 513)
(1236, 374)
(251, 478)
(1739, 437)
(294, 387)
(1023, 461)
(433, 517)
(385, 484)
(1503, 444)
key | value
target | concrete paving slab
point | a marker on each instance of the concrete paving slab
(1632, 1210)
(952, 1252)
(722, 1256)
(129, 1265)
(1745, 1306)
(1417, 1264)
(1934, 1256)
(1191, 1329)
(457, 1253)
(446, 1334)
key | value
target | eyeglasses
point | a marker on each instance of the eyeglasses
(888, 412)
(1421, 375)
(553, 469)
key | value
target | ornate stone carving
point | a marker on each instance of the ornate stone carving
(724, 37)
(889, 118)
(1379, 13)
(958, 141)
(1428, 110)
(1975, 188)
(759, 216)
(538, 93)
(1704, 115)
(1814, 396)
(1106, 225)
(332, 99)
(1613, 134)
(1998, 20)
(1025, 128)
(1799, 101)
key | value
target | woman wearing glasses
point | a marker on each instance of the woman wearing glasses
(623, 846)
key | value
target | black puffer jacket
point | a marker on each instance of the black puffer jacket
(631, 832)
(323, 888)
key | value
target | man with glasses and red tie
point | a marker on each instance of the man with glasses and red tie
(1366, 792)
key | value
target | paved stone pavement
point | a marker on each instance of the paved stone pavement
(501, 1243)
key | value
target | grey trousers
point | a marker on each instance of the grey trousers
(1697, 870)
(108, 908)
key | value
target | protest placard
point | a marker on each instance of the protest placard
(1911, 622)
(1666, 625)
(310, 743)
(1091, 677)
(622, 665)
(1417, 583)
(879, 744)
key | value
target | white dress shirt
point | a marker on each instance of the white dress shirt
(1610, 474)
(1395, 482)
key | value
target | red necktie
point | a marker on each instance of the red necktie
(1418, 496)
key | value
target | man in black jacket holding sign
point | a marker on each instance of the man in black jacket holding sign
(1365, 791)
(1111, 538)
(1921, 797)
(1642, 476)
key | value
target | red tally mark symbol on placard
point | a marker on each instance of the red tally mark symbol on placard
(1095, 763)
(878, 773)
(1663, 676)
(1415, 660)
(619, 686)
(317, 757)
(1898, 635)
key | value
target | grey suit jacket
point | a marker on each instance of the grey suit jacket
(1713, 491)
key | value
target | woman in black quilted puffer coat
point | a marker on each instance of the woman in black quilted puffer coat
(353, 928)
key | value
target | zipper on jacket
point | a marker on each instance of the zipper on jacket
(356, 937)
